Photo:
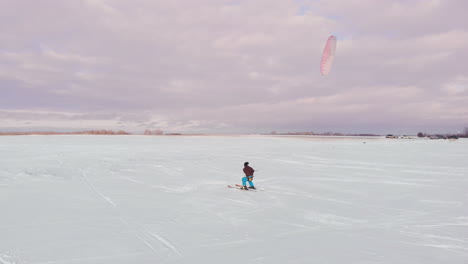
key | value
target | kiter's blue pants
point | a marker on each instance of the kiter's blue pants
(248, 179)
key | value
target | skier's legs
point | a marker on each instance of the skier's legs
(251, 182)
(244, 181)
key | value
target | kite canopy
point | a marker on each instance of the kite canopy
(328, 56)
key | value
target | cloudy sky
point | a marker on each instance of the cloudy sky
(233, 65)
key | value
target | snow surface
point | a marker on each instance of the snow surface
(164, 199)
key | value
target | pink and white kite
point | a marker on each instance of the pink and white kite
(328, 56)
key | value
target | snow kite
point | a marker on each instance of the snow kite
(328, 56)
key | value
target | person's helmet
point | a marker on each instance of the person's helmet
(246, 163)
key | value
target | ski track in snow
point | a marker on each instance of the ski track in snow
(159, 238)
(162, 240)
(436, 237)
(441, 202)
(132, 180)
(183, 189)
(238, 201)
(166, 243)
(223, 244)
(443, 225)
(5, 259)
(147, 244)
(302, 194)
(107, 199)
(375, 182)
(448, 247)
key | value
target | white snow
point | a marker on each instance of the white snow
(164, 199)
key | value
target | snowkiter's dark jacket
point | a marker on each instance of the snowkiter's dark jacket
(248, 171)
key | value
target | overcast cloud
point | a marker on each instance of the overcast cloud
(233, 66)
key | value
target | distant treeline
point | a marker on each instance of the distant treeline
(90, 132)
(323, 134)
(464, 134)
(158, 132)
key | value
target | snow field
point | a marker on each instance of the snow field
(163, 199)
